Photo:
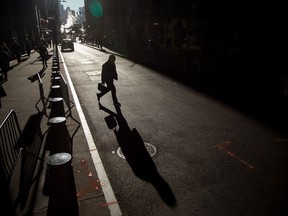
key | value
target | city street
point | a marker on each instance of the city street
(210, 158)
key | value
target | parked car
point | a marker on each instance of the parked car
(67, 44)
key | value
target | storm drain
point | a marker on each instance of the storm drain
(151, 149)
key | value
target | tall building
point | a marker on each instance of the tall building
(32, 19)
(19, 19)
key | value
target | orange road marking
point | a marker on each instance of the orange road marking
(223, 146)
(107, 204)
(94, 183)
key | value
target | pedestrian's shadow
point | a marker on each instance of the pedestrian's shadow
(38, 59)
(137, 156)
(34, 77)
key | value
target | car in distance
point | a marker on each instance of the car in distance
(67, 44)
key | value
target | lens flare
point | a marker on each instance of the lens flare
(96, 8)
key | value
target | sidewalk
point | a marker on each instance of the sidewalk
(22, 95)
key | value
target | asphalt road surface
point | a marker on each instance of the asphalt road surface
(211, 158)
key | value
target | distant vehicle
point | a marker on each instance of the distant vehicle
(67, 44)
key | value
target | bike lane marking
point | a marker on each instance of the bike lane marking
(110, 198)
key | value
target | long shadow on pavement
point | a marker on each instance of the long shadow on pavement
(16, 191)
(32, 138)
(137, 156)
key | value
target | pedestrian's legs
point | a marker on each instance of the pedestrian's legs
(5, 72)
(19, 58)
(111, 86)
(102, 93)
(44, 61)
(113, 92)
(45, 57)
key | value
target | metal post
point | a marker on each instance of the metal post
(62, 193)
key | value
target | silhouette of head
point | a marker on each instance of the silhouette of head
(112, 58)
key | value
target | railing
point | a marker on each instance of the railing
(11, 144)
(43, 99)
(69, 103)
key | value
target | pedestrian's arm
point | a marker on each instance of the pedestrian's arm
(102, 79)
(102, 75)
(115, 74)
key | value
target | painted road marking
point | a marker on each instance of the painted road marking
(222, 146)
(93, 73)
(106, 186)
(86, 62)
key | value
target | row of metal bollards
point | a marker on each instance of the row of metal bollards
(59, 182)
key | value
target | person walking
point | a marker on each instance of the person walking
(4, 63)
(2, 94)
(17, 51)
(108, 75)
(49, 42)
(28, 46)
(6, 49)
(42, 50)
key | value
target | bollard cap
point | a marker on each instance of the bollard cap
(59, 159)
(56, 120)
(56, 78)
(55, 86)
(55, 99)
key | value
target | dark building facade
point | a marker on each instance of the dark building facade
(187, 36)
(169, 24)
(20, 19)
(201, 38)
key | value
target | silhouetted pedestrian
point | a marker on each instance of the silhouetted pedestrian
(33, 45)
(28, 46)
(49, 42)
(2, 94)
(42, 50)
(6, 49)
(108, 75)
(17, 51)
(4, 63)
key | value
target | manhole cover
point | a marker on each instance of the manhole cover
(149, 147)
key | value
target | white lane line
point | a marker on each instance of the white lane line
(110, 198)
(86, 62)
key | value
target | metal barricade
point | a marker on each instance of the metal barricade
(43, 99)
(11, 144)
